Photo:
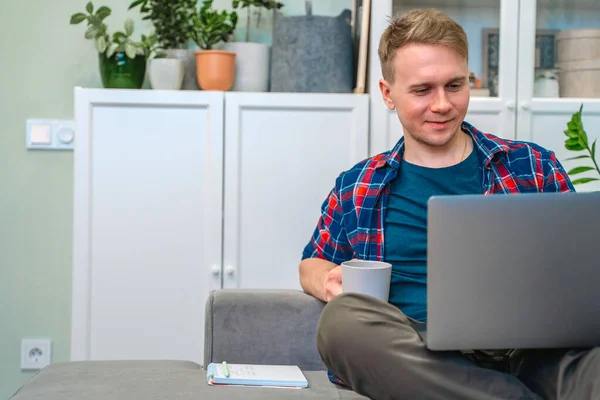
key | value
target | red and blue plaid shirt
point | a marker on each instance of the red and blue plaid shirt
(353, 215)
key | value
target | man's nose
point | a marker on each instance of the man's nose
(440, 102)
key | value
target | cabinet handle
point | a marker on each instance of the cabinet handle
(215, 270)
(525, 105)
(510, 105)
(229, 270)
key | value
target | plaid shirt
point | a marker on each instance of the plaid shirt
(353, 215)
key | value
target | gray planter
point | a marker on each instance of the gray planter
(312, 54)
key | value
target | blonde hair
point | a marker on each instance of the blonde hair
(425, 26)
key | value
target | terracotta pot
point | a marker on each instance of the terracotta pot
(215, 69)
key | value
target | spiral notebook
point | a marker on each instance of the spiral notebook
(284, 376)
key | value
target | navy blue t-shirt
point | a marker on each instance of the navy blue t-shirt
(405, 240)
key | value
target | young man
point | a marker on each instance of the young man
(378, 211)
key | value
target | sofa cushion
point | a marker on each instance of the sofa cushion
(174, 380)
(246, 326)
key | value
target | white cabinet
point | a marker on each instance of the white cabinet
(179, 193)
(512, 40)
(282, 155)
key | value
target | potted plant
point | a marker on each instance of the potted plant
(122, 60)
(172, 21)
(252, 58)
(215, 69)
(577, 140)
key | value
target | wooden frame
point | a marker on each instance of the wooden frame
(360, 37)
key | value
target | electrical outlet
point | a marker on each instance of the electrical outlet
(35, 353)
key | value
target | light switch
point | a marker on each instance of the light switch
(50, 134)
(40, 134)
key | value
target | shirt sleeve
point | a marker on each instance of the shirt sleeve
(556, 178)
(329, 240)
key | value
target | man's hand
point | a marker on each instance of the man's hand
(332, 282)
(320, 278)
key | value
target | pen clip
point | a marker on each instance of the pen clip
(225, 369)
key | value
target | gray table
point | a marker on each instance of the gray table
(176, 380)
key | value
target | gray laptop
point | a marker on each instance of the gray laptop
(513, 271)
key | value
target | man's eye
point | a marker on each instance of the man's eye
(455, 86)
(422, 90)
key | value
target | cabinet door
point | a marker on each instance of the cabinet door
(492, 36)
(559, 66)
(549, 118)
(283, 152)
(147, 222)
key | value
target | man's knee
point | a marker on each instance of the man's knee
(344, 322)
(337, 323)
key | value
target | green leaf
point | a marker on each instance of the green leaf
(78, 18)
(91, 32)
(103, 12)
(111, 50)
(89, 7)
(594, 149)
(579, 170)
(118, 37)
(101, 44)
(130, 50)
(574, 145)
(94, 20)
(136, 3)
(572, 126)
(571, 134)
(583, 139)
(578, 157)
(583, 180)
(129, 27)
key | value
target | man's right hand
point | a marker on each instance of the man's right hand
(332, 283)
(320, 278)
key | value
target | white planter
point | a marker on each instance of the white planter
(166, 73)
(189, 65)
(252, 66)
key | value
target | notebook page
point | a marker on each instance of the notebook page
(252, 374)
(262, 372)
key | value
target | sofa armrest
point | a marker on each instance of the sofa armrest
(248, 326)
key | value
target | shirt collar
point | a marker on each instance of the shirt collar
(488, 147)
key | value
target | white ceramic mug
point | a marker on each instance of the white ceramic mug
(367, 277)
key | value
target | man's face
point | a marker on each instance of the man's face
(430, 92)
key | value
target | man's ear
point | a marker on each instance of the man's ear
(386, 92)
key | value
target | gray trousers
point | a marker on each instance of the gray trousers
(373, 347)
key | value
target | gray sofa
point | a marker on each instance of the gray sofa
(242, 326)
